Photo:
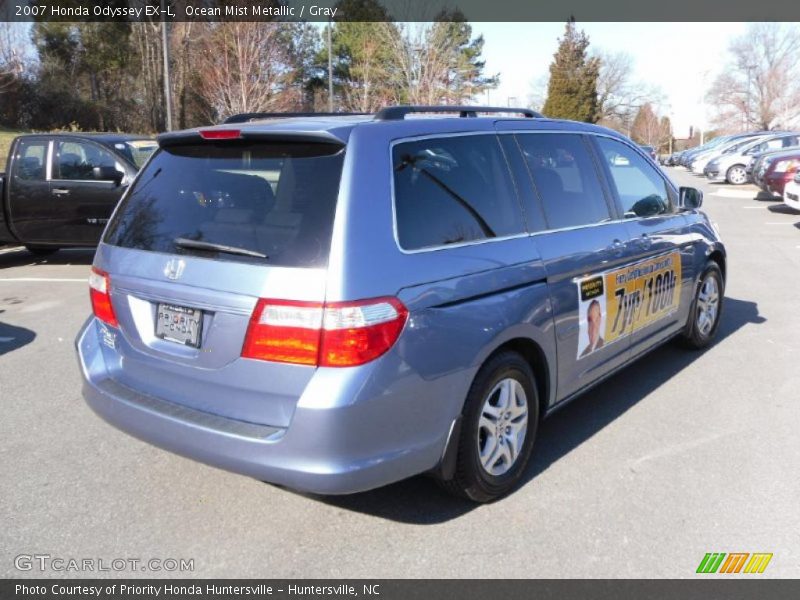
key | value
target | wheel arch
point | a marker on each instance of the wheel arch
(719, 257)
(535, 356)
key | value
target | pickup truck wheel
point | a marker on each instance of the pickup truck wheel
(706, 309)
(41, 250)
(499, 423)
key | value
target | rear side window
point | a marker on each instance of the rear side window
(453, 190)
(274, 199)
(566, 179)
(641, 190)
(30, 160)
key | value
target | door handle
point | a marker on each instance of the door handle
(60, 191)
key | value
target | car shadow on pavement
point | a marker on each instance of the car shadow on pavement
(420, 501)
(767, 197)
(13, 337)
(20, 257)
(782, 209)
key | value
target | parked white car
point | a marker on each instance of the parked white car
(791, 193)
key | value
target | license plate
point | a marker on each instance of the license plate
(179, 324)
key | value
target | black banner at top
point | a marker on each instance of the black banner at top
(399, 10)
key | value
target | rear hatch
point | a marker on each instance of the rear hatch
(209, 227)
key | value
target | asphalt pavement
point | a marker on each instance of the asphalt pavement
(678, 455)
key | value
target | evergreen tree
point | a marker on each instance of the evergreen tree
(464, 78)
(363, 66)
(572, 89)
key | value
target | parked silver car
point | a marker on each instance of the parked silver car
(731, 167)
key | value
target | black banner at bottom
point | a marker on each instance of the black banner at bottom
(400, 589)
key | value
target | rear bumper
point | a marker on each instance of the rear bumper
(338, 449)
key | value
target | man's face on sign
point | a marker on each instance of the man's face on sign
(595, 318)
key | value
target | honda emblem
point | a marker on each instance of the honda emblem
(174, 268)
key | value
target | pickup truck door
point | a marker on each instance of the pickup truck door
(85, 202)
(31, 215)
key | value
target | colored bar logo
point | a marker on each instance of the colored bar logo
(736, 562)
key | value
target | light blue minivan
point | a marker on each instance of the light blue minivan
(334, 303)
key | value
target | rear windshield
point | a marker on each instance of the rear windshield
(271, 199)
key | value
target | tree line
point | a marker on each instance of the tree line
(110, 76)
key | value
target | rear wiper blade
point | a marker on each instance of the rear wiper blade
(198, 245)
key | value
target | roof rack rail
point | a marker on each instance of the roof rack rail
(398, 113)
(245, 117)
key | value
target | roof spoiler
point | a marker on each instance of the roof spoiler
(212, 134)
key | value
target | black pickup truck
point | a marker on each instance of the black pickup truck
(59, 189)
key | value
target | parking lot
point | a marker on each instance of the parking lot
(679, 455)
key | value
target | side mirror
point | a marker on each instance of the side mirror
(690, 198)
(108, 174)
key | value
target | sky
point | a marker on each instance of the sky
(682, 59)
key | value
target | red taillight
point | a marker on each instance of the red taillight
(220, 134)
(335, 334)
(100, 293)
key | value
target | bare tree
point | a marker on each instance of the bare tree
(245, 68)
(436, 63)
(760, 86)
(421, 62)
(650, 129)
(12, 56)
(146, 37)
(619, 96)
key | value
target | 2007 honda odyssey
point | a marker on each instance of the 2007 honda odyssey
(335, 303)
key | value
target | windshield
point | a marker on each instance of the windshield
(137, 151)
(262, 202)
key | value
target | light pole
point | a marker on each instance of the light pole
(165, 48)
(330, 66)
(746, 115)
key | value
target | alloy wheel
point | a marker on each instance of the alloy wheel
(502, 426)
(707, 305)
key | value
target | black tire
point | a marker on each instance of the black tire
(471, 480)
(694, 336)
(41, 250)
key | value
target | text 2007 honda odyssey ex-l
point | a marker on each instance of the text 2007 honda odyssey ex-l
(335, 303)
